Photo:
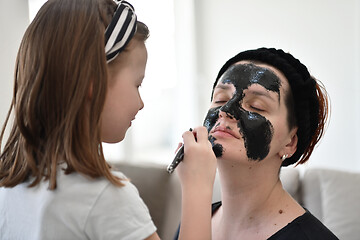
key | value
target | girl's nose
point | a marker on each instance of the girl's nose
(141, 103)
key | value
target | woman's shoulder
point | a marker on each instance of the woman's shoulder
(304, 227)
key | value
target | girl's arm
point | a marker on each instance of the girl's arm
(153, 236)
(197, 174)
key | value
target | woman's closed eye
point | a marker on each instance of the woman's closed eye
(220, 99)
(220, 102)
(255, 107)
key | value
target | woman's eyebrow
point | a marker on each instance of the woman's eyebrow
(264, 94)
(223, 86)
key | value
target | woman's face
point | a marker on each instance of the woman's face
(248, 116)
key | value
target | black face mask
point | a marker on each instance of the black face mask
(255, 129)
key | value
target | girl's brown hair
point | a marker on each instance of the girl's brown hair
(60, 58)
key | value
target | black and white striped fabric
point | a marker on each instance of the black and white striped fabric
(120, 30)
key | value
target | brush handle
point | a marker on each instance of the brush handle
(179, 156)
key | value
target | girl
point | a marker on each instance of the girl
(267, 112)
(77, 75)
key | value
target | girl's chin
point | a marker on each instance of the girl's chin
(114, 139)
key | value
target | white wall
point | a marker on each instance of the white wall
(323, 34)
(14, 18)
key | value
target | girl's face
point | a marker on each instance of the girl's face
(248, 116)
(123, 100)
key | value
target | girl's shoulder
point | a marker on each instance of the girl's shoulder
(123, 206)
(100, 198)
(82, 185)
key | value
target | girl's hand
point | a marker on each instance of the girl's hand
(197, 173)
(198, 168)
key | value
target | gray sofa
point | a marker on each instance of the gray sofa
(331, 195)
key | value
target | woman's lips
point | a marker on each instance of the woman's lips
(221, 131)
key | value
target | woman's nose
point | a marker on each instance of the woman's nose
(224, 114)
(231, 109)
(221, 114)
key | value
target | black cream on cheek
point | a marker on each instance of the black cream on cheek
(257, 133)
(255, 129)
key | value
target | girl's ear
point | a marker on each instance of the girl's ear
(291, 147)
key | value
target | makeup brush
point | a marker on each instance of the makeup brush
(179, 155)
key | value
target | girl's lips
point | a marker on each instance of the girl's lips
(131, 122)
(221, 131)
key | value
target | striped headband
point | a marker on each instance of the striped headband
(120, 30)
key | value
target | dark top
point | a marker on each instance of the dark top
(304, 227)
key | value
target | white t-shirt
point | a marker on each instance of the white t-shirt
(79, 208)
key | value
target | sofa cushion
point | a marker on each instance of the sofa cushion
(290, 180)
(340, 193)
(311, 192)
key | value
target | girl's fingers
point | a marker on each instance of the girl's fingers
(179, 146)
(201, 134)
(188, 137)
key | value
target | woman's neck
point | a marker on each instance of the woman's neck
(252, 197)
(249, 189)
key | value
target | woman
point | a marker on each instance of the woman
(266, 112)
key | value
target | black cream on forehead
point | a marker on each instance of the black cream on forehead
(255, 129)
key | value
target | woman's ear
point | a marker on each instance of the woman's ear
(291, 147)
